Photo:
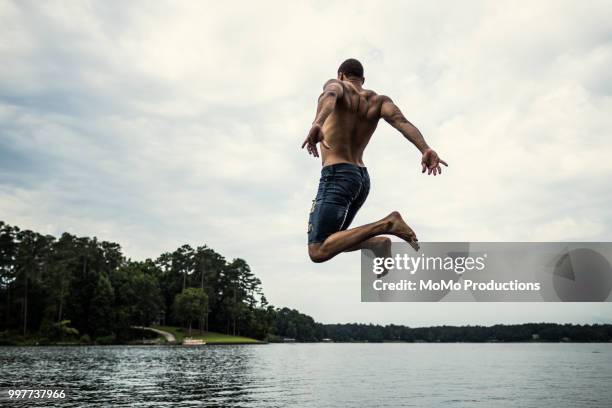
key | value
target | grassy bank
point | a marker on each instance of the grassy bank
(209, 337)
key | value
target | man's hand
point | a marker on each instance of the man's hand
(315, 135)
(431, 162)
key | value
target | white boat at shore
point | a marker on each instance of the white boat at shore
(188, 341)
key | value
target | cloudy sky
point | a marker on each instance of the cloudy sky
(155, 124)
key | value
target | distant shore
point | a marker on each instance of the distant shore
(147, 337)
(343, 333)
(258, 342)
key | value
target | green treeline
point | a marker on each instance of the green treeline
(503, 333)
(58, 287)
(292, 324)
(67, 288)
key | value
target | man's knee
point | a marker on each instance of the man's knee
(387, 242)
(383, 240)
(315, 254)
(377, 243)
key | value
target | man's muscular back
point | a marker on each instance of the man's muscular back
(350, 126)
(347, 116)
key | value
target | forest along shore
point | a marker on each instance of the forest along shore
(79, 290)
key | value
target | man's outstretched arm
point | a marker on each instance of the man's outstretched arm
(394, 116)
(327, 102)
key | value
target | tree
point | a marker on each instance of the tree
(8, 253)
(191, 304)
(240, 294)
(32, 259)
(148, 297)
(182, 261)
(64, 260)
(102, 317)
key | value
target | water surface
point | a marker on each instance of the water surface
(318, 375)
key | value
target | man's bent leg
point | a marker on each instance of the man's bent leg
(352, 238)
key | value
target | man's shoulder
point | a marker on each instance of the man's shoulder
(333, 81)
(373, 95)
(384, 98)
(377, 99)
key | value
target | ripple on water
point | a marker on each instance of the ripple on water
(334, 375)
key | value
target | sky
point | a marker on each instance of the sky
(158, 123)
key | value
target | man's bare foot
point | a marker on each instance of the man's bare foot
(400, 229)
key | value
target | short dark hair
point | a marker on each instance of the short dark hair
(351, 68)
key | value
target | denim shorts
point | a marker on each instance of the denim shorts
(343, 188)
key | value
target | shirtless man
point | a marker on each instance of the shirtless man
(347, 115)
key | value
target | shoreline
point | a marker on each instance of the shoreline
(259, 343)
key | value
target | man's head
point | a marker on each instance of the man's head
(351, 69)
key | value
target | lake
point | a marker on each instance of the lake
(318, 375)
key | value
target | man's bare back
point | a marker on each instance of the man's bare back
(347, 116)
(350, 126)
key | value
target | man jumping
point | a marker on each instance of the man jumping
(347, 115)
